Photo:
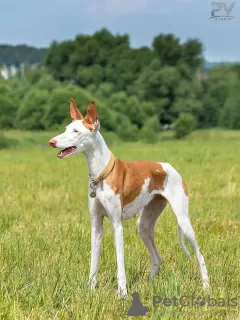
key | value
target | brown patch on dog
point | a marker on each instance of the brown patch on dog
(91, 117)
(158, 177)
(127, 178)
(87, 125)
(185, 189)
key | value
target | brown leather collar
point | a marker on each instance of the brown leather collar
(105, 173)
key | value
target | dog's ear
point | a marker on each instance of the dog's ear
(92, 117)
(74, 112)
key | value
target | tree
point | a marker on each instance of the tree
(47, 82)
(216, 89)
(104, 90)
(8, 103)
(57, 112)
(158, 83)
(31, 111)
(192, 53)
(230, 114)
(7, 112)
(168, 49)
(16, 55)
(90, 75)
(149, 132)
(125, 130)
(184, 125)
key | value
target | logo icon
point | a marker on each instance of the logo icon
(137, 308)
(218, 8)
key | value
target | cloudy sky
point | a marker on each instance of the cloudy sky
(38, 22)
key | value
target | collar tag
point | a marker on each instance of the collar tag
(93, 189)
(103, 175)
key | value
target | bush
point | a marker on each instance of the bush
(230, 114)
(149, 132)
(7, 112)
(31, 111)
(6, 143)
(125, 129)
(184, 125)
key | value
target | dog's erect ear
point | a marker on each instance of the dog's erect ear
(92, 116)
(75, 113)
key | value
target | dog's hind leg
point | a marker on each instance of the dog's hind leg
(146, 223)
(177, 195)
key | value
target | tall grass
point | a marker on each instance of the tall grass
(45, 233)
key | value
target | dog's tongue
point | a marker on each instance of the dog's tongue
(63, 153)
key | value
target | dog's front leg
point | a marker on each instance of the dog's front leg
(119, 244)
(96, 240)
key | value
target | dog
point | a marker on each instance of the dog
(120, 189)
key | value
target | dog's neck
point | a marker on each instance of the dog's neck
(97, 157)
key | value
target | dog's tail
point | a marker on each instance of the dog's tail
(180, 238)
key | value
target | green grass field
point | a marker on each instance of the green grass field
(45, 233)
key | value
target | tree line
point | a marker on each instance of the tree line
(16, 55)
(138, 91)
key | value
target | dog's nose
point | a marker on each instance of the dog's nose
(52, 143)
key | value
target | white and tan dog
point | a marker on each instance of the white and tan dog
(120, 189)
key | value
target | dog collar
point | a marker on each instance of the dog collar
(102, 176)
(105, 173)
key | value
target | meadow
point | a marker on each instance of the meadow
(45, 232)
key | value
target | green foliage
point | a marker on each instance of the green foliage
(90, 75)
(15, 55)
(192, 53)
(149, 132)
(216, 89)
(31, 111)
(104, 57)
(104, 90)
(8, 105)
(168, 48)
(47, 82)
(6, 143)
(130, 86)
(184, 125)
(125, 129)
(57, 112)
(7, 112)
(230, 114)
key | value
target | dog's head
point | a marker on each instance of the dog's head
(79, 135)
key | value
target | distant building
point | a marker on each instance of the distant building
(10, 71)
(7, 72)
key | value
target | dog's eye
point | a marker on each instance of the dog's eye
(74, 130)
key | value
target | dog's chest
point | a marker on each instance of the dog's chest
(113, 205)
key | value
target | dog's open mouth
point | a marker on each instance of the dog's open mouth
(66, 152)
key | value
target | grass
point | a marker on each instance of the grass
(45, 233)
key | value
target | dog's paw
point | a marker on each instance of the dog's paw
(122, 293)
(206, 285)
(156, 269)
(92, 283)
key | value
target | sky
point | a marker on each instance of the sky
(39, 22)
